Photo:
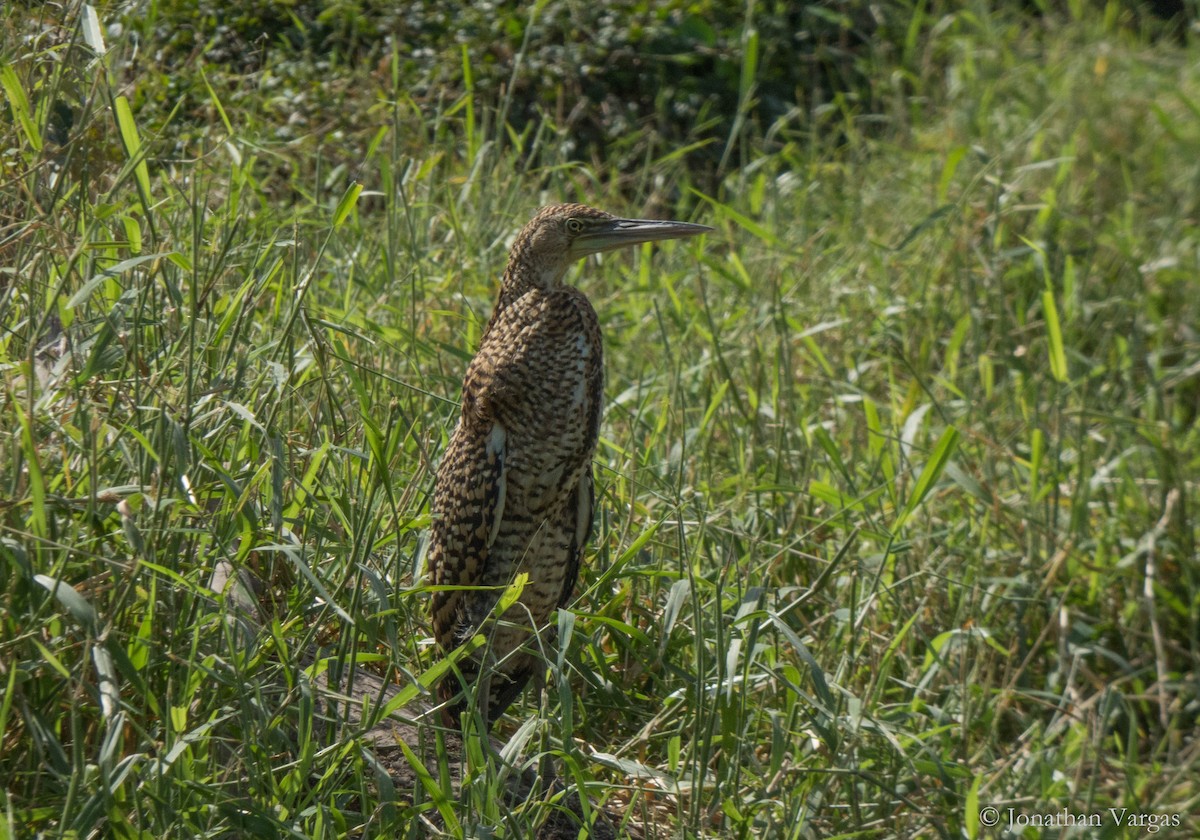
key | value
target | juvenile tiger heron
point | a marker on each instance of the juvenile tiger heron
(514, 489)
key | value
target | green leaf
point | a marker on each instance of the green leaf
(19, 103)
(74, 603)
(639, 541)
(347, 204)
(932, 470)
(93, 35)
(948, 169)
(679, 593)
(971, 815)
(37, 481)
(922, 226)
(713, 405)
(747, 224)
(216, 101)
(1058, 357)
(86, 290)
(511, 594)
(440, 800)
(815, 670)
(133, 148)
(50, 659)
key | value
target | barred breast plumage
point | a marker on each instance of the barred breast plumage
(514, 490)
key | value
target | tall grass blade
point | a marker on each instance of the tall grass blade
(1058, 356)
(930, 473)
(132, 143)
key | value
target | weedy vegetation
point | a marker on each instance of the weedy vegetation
(899, 474)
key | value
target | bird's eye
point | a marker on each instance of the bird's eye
(574, 226)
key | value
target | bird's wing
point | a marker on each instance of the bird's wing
(497, 454)
(468, 507)
(580, 508)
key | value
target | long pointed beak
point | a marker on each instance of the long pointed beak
(619, 233)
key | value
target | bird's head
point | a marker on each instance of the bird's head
(561, 234)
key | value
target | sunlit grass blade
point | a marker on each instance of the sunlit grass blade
(1058, 357)
(132, 143)
(943, 451)
(72, 601)
(93, 36)
(347, 203)
(18, 103)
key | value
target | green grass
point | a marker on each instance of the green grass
(898, 477)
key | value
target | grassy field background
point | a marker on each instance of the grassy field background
(899, 471)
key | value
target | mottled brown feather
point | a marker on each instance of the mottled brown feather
(514, 490)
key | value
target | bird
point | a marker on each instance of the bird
(514, 490)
